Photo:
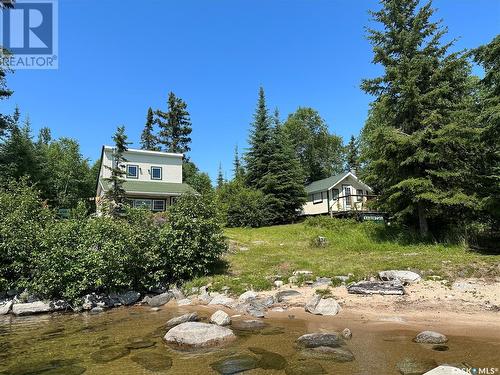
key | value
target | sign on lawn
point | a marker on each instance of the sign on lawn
(373, 217)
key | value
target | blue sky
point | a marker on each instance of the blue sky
(117, 58)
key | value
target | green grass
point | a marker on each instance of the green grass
(361, 249)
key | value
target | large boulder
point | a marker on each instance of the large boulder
(284, 295)
(38, 307)
(220, 318)
(376, 287)
(198, 335)
(191, 317)
(315, 340)
(127, 298)
(431, 337)
(322, 306)
(220, 299)
(406, 277)
(5, 307)
(248, 295)
(446, 370)
(160, 299)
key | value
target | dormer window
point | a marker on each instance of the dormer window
(132, 171)
(156, 173)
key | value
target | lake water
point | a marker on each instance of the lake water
(83, 343)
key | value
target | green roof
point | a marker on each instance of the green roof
(152, 187)
(324, 184)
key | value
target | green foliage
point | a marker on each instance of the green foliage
(117, 193)
(175, 126)
(352, 162)
(199, 181)
(320, 153)
(148, 139)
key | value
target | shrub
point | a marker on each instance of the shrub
(247, 208)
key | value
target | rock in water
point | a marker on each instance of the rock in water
(314, 340)
(235, 364)
(347, 334)
(152, 361)
(109, 354)
(322, 306)
(447, 370)
(38, 307)
(431, 337)
(197, 335)
(376, 287)
(269, 360)
(410, 366)
(327, 353)
(249, 325)
(305, 368)
(406, 277)
(5, 308)
(220, 318)
(191, 317)
(160, 299)
(128, 298)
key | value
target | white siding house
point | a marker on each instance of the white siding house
(153, 178)
(336, 194)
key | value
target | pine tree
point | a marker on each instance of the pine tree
(416, 140)
(259, 154)
(116, 192)
(175, 126)
(148, 139)
(220, 177)
(5, 93)
(352, 156)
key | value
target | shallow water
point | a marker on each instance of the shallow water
(124, 340)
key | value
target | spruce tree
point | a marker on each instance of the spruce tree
(416, 140)
(116, 192)
(261, 144)
(220, 177)
(175, 126)
(352, 156)
(238, 170)
(148, 139)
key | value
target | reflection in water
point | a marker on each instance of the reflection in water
(129, 341)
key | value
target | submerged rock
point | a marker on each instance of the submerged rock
(152, 361)
(329, 354)
(220, 318)
(109, 354)
(314, 340)
(406, 277)
(322, 306)
(305, 368)
(139, 343)
(376, 287)
(235, 364)
(249, 325)
(196, 334)
(191, 317)
(431, 337)
(440, 348)
(410, 366)
(53, 367)
(269, 360)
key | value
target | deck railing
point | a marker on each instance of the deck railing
(353, 202)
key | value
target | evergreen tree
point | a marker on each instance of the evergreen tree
(148, 139)
(489, 119)
(220, 177)
(238, 170)
(417, 142)
(175, 126)
(44, 136)
(352, 155)
(5, 93)
(116, 192)
(261, 143)
(320, 153)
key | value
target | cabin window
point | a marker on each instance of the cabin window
(318, 197)
(143, 203)
(335, 194)
(156, 173)
(132, 171)
(359, 193)
(158, 205)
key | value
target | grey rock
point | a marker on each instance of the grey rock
(293, 280)
(410, 366)
(431, 337)
(322, 306)
(314, 340)
(184, 302)
(109, 354)
(196, 335)
(328, 353)
(342, 278)
(220, 318)
(128, 298)
(302, 273)
(234, 364)
(191, 317)
(284, 295)
(248, 295)
(249, 325)
(5, 307)
(304, 368)
(278, 283)
(222, 300)
(38, 307)
(96, 310)
(59, 305)
(406, 277)
(152, 361)
(205, 298)
(347, 334)
(160, 299)
(376, 287)
(321, 281)
(269, 360)
(177, 293)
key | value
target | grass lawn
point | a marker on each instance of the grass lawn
(362, 249)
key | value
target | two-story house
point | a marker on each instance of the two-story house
(153, 179)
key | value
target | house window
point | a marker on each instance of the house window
(317, 198)
(143, 203)
(158, 205)
(359, 193)
(156, 173)
(132, 171)
(335, 194)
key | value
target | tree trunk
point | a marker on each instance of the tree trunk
(422, 221)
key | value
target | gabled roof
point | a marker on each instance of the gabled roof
(329, 182)
(146, 152)
(151, 187)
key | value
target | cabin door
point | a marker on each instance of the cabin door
(346, 190)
